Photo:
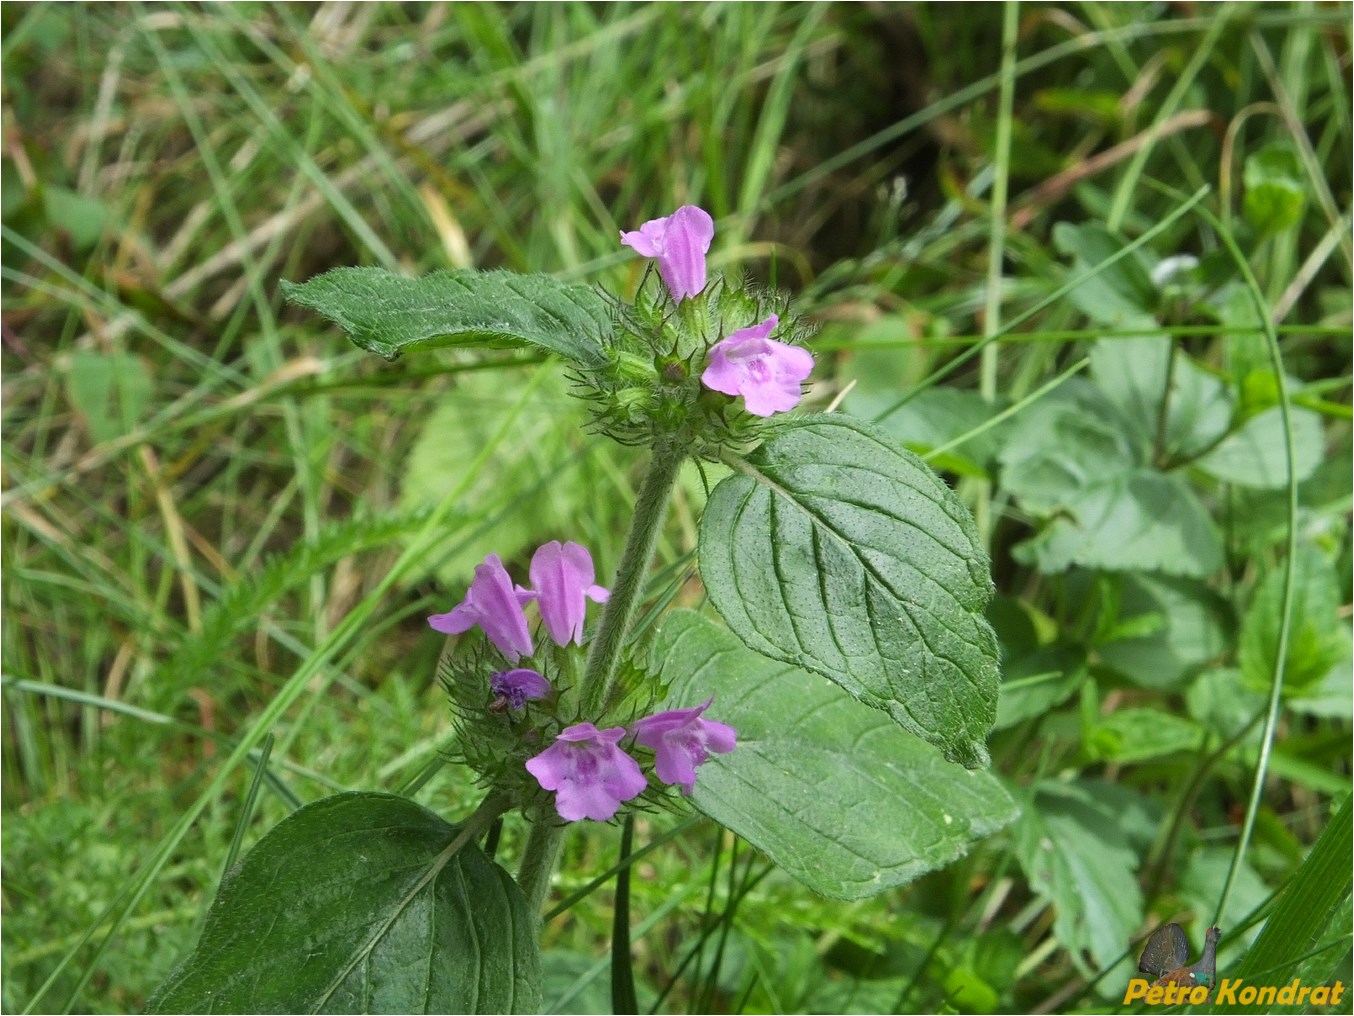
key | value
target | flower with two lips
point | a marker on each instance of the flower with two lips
(587, 768)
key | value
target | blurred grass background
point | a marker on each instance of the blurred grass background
(200, 483)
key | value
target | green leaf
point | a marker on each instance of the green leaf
(391, 314)
(1134, 735)
(831, 791)
(833, 550)
(1121, 294)
(504, 503)
(1318, 641)
(353, 904)
(109, 390)
(1222, 702)
(1139, 520)
(1196, 626)
(1076, 855)
(1255, 455)
(1136, 374)
(80, 217)
(1275, 191)
(1035, 683)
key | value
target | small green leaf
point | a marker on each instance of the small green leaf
(1220, 700)
(1140, 520)
(528, 450)
(354, 905)
(80, 217)
(1073, 847)
(1121, 294)
(391, 314)
(1134, 735)
(1136, 374)
(1196, 627)
(833, 550)
(1034, 684)
(109, 390)
(1317, 641)
(934, 417)
(1275, 192)
(831, 791)
(1255, 455)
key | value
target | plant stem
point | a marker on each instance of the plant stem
(542, 847)
(538, 862)
(650, 509)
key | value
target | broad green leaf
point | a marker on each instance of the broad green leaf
(109, 390)
(1303, 913)
(1220, 700)
(391, 314)
(1075, 854)
(1122, 294)
(1140, 520)
(1275, 191)
(1063, 445)
(1035, 683)
(1134, 735)
(833, 550)
(1195, 628)
(830, 790)
(1200, 884)
(1317, 642)
(1255, 454)
(1329, 695)
(1067, 461)
(353, 904)
(1136, 375)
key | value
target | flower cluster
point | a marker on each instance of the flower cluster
(586, 767)
(693, 361)
(766, 373)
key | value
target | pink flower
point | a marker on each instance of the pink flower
(679, 242)
(494, 605)
(681, 741)
(561, 576)
(590, 775)
(765, 372)
(516, 686)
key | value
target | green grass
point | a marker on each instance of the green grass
(213, 531)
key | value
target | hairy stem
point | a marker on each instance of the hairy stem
(538, 862)
(627, 591)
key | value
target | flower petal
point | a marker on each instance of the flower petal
(679, 242)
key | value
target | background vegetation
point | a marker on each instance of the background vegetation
(205, 490)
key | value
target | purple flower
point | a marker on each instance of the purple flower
(561, 576)
(590, 774)
(765, 372)
(681, 741)
(516, 686)
(679, 242)
(494, 605)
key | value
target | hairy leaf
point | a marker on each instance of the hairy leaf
(834, 550)
(355, 904)
(833, 792)
(392, 314)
